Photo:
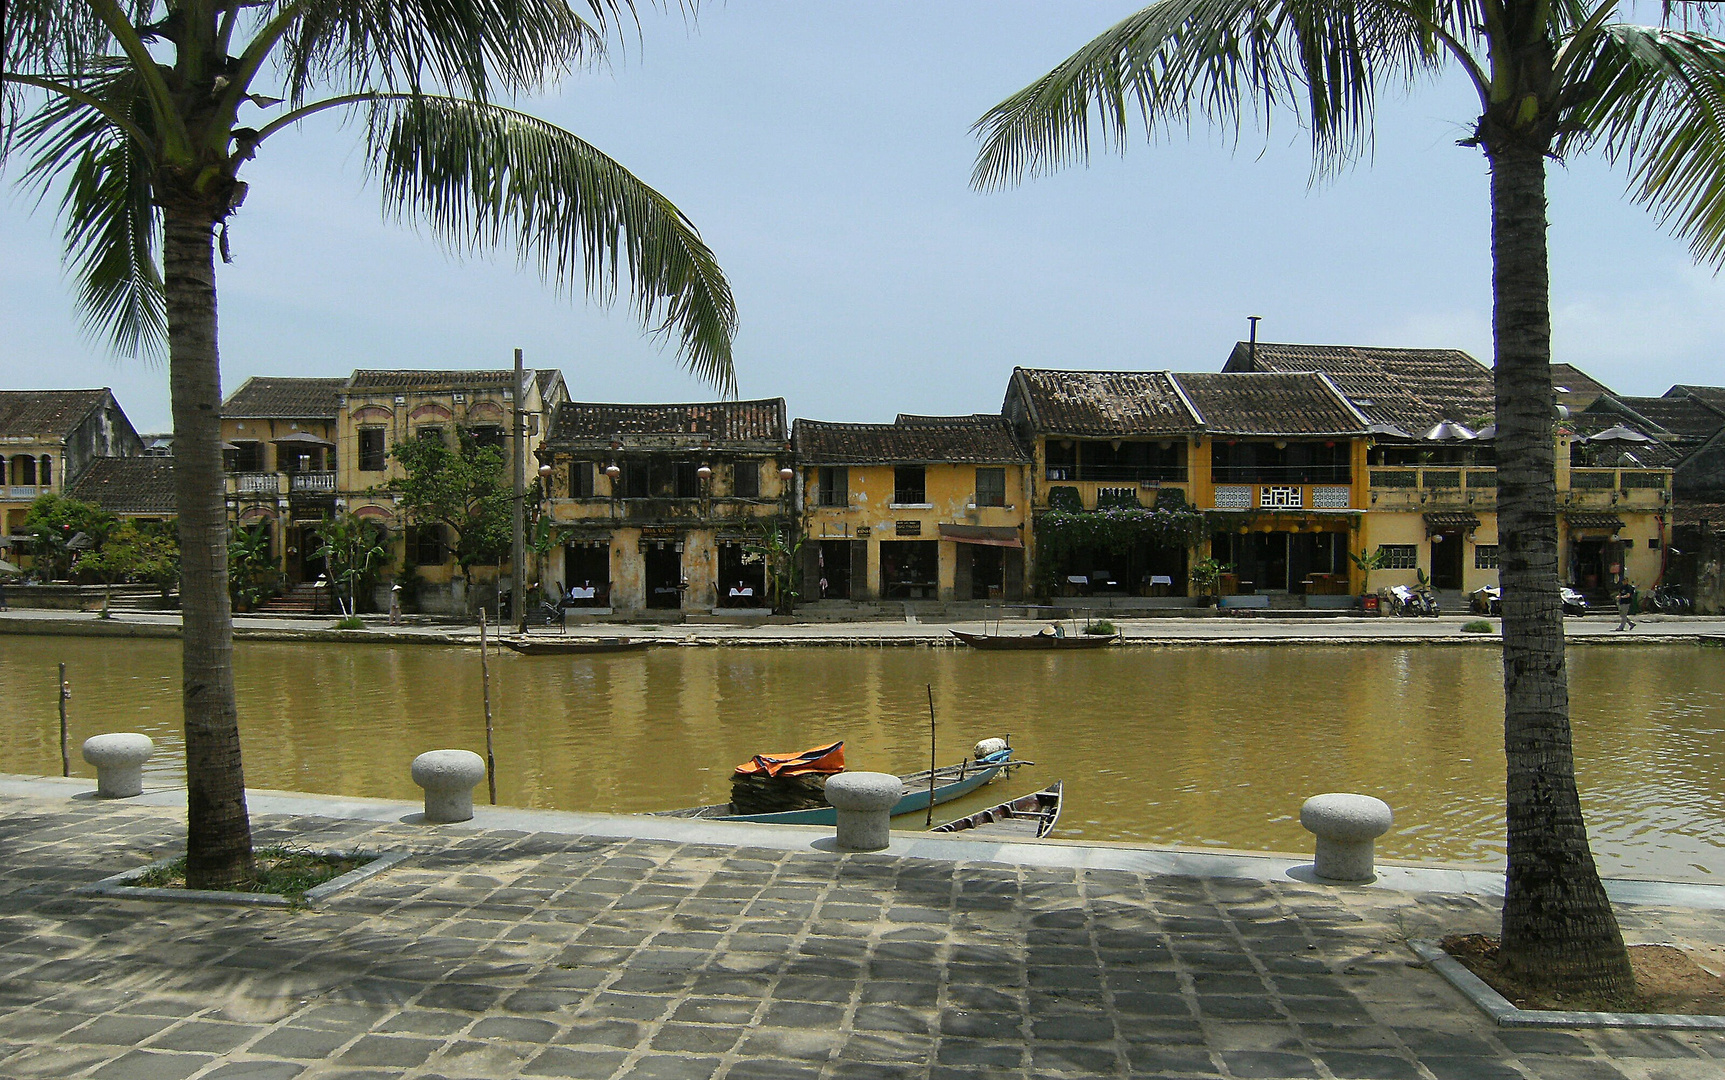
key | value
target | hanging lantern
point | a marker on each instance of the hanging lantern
(545, 471)
(786, 473)
(613, 471)
(705, 472)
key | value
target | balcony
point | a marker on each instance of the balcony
(26, 491)
(1281, 474)
(1095, 493)
(1633, 489)
(254, 484)
(321, 482)
(1411, 487)
(1282, 497)
(1151, 475)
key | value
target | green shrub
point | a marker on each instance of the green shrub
(1477, 626)
(1101, 628)
(350, 622)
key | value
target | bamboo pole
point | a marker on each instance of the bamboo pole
(485, 681)
(931, 765)
(65, 748)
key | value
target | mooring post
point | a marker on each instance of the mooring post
(65, 750)
(485, 679)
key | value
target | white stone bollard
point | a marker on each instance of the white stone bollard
(119, 760)
(864, 801)
(1346, 826)
(448, 777)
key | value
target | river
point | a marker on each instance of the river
(1203, 746)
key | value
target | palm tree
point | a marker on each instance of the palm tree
(133, 113)
(1554, 77)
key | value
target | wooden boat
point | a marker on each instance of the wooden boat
(1029, 817)
(1036, 641)
(950, 782)
(573, 646)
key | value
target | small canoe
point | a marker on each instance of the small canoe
(950, 782)
(1036, 641)
(573, 646)
(1030, 817)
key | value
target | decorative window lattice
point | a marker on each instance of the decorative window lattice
(1643, 480)
(1233, 498)
(1280, 497)
(1442, 479)
(1386, 479)
(1485, 556)
(1330, 498)
(1400, 556)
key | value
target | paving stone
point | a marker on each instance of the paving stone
(786, 1043)
(152, 1065)
(1265, 1063)
(205, 1036)
(981, 1052)
(255, 1070)
(1362, 1066)
(1470, 1068)
(300, 1043)
(563, 1061)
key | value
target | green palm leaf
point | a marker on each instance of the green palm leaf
(482, 175)
(1655, 100)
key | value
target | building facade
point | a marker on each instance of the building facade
(925, 508)
(48, 438)
(667, 507)
(279, 440)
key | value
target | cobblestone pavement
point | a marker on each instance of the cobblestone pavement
(493, 954)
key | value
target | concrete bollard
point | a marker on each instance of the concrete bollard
(864, 801)
(448, 777)
(1346, 826)
(119, 760)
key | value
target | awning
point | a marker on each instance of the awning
(988, 535)
(1594, 521)
(1450, 519)
(302, 438)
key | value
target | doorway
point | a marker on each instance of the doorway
(742, 577)
(834, 570)
(1446, 560)
(987, 572)
(664, 575)
(587, 574)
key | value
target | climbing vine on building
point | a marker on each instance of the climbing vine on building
(1061, 533)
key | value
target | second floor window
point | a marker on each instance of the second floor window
(426, 544)
(249, 457)
(835, 486)
(908, 485)
(488, 435)
(746, 480)
(371, 456)
(991, 487)
(580, 479)
(433, 433)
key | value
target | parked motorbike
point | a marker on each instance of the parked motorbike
(1668, 600)
(1405, 600)
(1489, 601)
(1573, 602)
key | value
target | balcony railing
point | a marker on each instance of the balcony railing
(312, 481)
(1281, 474)
(1137, 474)
(1282, 497)
(256, 483)
(26, 491)
(1447, 478)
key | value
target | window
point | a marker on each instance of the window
(433, 432)
(47, 473)
(485, 435)
(249, 457)
(1653, 543)
(908, 485)
(1485, 556)
(633, 482)
(426, 543)
(835, 489)
(1400, 556)
(687, 483)
(746, 480)
(991, 487)
(580, 479)
(371, 449)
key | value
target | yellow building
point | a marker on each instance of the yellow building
(279, 451)
(926, 508)
(47, 439)
(662, 507)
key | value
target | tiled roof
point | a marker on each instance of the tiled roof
(1651, 455)
(720, 421)
(1569, 379)
(1103, 402)
(46, 414)
(1712, 395)
(432, 381)
(1688, 416)
(1412, 389)
(1267, 403)
(130, 485)
(289, 399)
(980, 439)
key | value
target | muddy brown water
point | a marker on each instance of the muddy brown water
(1205, 746)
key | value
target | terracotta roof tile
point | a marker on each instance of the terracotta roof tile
(1103, 402)
(1412, 389)
(1687, 416)
(720, 421)
(128, 485)
(288, 398)
(1269, 403)
(432, 381)
(978, 439)
(46, 414)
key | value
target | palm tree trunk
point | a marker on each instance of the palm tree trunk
(1558, 926)
(218, 830)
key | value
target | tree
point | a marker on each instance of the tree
(60, 528)
(134, 111)
(1554, 78)
(252, 574)
(352, 548)
(779, 546)
(135, 552)
(462, 490)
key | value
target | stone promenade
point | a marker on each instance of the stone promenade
(496, 953)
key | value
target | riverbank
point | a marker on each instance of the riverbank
(1242, 629)
(527, 943)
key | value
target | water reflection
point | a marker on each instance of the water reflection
(1201, 746)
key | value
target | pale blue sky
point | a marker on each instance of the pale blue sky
(823, 150)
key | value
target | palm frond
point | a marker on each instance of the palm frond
(1654, 99)
(483, 176)
(464, 46)
(43, 36)
(109, 222)
(1226, 60)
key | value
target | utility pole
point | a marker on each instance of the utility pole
(518, 535)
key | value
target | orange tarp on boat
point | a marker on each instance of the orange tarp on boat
(822, 759)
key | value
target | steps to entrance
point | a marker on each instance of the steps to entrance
(306, 598)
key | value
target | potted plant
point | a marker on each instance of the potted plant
(1205, 573)
(1368, 561)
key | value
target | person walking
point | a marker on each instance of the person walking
(1625, 602)
(395, 605)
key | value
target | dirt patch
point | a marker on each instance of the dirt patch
(1666, 979)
